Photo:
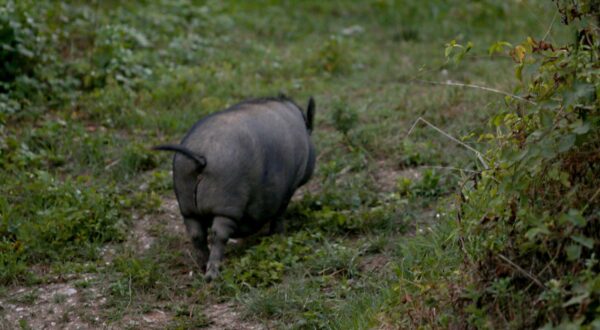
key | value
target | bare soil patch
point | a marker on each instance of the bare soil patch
(53, 306)
(78, 301)
(225, 316)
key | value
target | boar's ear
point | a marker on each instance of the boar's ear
(310, 114)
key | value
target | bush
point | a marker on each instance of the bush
(532, 221)
(21, 51)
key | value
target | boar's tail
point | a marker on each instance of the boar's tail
(200, 160)
(310, 114)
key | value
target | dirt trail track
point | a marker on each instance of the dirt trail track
(77, 301)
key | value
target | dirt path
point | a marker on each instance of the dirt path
(78, 300)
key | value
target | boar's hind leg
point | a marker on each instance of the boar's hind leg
(198, 235)
(277, 226)
(221, 229)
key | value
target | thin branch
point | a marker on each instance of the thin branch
(194, 260)
(549, 263)
(113, 163)
(523, 271)
(550, 27)
(449, 168)
(591, 200)
(479, 154)
(484, 88)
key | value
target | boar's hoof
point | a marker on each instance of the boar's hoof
(212, 273)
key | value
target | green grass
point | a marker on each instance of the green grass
(109, 79)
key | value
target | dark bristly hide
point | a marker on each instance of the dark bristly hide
(237, 169)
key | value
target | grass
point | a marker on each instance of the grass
(76, 165)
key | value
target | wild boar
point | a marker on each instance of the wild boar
(237, 169)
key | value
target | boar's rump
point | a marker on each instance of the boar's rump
(238, 168)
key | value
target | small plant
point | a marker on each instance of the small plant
(333, 259)
(418, 153)
(264, 264)
(141, 273)
(428, 185)
(344, 118)
(191, 317)
(28, 298)
(538, 206)
(333, 57)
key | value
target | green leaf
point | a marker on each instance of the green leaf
(585, 241)
(498, 46)
(533, 232)
(581, 92)
(564, 179)
(566, 143)
(519, 72)
(574, 217)
(522, 154)
(573, 252)
(577, 300)
(546, 117)
(449, 47)
(580, 127)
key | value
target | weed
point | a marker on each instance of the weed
(333, 259)
(334, 56)
(27, 298)
(189, 318)
(428, 185)
(344, 118)
(59, 298)
(264, 264)
(137, 273)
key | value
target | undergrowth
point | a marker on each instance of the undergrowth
(394, 230)
(539, 206)
(526, 230)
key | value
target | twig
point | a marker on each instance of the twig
(129, 303)
(479, 155)
(193, 259)
(549, 263)
(449, 168)
(113, 163)
(484, 88)
(523, 271)
(550, 27)
(591, 200)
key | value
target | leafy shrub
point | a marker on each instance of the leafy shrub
(22, 49)
(19, 53)
(532, 220)
(113, 56)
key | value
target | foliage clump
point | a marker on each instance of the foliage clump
(45, 219)
(530, 224)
